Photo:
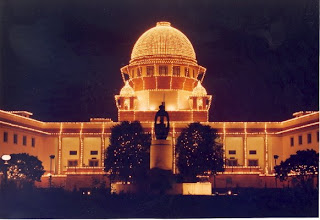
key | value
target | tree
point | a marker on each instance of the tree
(23, 168)
(198, 151)
(127, 157)
(303, 165)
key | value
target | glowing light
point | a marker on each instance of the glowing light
(21, 117)
(126, 104)
(144, 108)
(309, 113)
(81, 145)
(152, 107)
(171, 108)
(22, 127)
(245, 145)
(266, 148)
(224, 144)
(59, 148)
(102, 145)
(296, 128)
(6, 157)
(174, 148)
(199, 103)
(127, 90)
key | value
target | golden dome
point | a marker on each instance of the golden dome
(163, 40)
(199, 90)
(127, 90)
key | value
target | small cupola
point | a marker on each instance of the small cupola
(199, 100)
(126, 99)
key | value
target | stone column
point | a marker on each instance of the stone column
(266, 167)
(60, 149)
(245, 145)
(161, 154)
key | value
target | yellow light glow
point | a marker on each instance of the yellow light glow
(152, 107)
(199, 90)
(296, 128)
(81, 145)
(171, 108)
(60, 148)
(245, 145)
(266, 148)
(127, 90)
(23, 127)
(6, 157)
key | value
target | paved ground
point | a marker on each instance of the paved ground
(249, 203)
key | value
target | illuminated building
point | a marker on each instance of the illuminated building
(163, 66)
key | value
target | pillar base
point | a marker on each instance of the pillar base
(161, 154)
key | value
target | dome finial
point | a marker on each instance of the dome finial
(199, 90)
(163, 23)
(163, 40)
(127, 90)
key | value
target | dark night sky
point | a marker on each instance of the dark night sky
(61, 59)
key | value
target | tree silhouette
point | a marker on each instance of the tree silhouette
(127, 157)
(198, 151)
(23, 168)
(303, 165)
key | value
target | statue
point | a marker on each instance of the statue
(162, 128)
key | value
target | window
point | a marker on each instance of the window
(33, 142)
(318, 136)
(300, 140)
(186, 72)
(309, 138)
(139, 71)
(176, 71)
(15, 139)
(5, 136)
(73, 152)
(126, 103)
(232, 162)
(94, 152)
(194, 74)
(252, 152)
(291, 141)
(150, 70)
(93, 163)
(232, 152)
(163, 70)
(253, 163)
(72, 163)
(24, 140)
(132, 73)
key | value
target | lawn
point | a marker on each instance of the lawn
(58, 203)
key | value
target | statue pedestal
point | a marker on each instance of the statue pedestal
(161, 154)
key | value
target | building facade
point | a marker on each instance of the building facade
(163, 67)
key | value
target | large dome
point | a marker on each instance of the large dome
(163, 40)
